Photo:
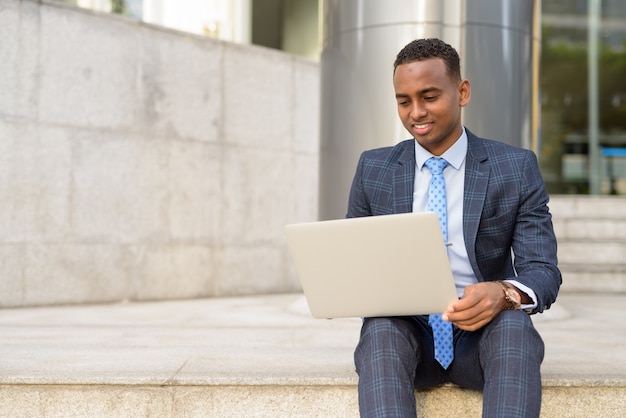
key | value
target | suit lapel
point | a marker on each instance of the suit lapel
(404, 180)
(477, 172)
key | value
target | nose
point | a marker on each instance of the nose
(418, 111)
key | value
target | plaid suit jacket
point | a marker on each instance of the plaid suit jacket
(506, 222)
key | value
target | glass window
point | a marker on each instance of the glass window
(564, 78)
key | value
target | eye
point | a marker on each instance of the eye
(431, 98)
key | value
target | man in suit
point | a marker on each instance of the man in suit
(503, 252)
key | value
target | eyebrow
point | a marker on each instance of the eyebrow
(423, 91)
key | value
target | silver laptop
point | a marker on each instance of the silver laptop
(373, 266)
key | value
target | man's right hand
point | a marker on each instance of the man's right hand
(480, 304)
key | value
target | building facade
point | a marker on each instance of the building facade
(579, 131)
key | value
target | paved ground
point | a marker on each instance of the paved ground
(260, 339)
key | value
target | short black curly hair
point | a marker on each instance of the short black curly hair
(422, 49)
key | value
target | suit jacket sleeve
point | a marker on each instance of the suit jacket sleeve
(508, 226)
(357, 202)
(534, 243)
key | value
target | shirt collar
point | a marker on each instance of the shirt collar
(454, 155)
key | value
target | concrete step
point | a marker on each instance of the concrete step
(591, 229)
(277, 400)
(592, 253)
(591, 232)
(264, 357)
(590, 220)
(596, 278)
(590, 266)
(588, 207)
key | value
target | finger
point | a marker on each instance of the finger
(471, 321)
(463, 317)
(465, 303)
(473, 326)
(466, 317)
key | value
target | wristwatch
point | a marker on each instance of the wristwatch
(511, 296)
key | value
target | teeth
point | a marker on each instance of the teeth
(421, 126)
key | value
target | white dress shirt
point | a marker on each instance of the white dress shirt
(454, 176)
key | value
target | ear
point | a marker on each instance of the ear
(465, 92)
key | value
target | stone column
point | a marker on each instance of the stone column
(360, 41)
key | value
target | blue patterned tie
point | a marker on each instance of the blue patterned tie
(442, 330)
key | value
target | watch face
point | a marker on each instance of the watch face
(514, 298)
(511, 296)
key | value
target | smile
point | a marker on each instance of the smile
(422, 128)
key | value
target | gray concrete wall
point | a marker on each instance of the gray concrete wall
(141, 163)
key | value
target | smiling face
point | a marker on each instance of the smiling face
(430, 103)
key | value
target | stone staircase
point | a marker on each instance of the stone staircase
(264, 356)
(592, 242)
